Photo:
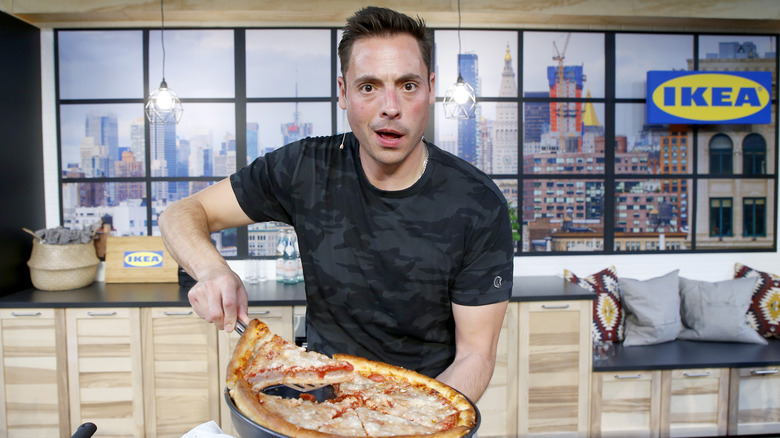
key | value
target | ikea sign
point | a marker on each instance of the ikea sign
(143, 259)
(702, 97)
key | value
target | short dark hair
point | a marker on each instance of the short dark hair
(382, 22)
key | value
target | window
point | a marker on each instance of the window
(559, 126)
(754, 155)
(720, 217)
(721, 151)
(754, 217)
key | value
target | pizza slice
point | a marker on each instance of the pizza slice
(263, 359)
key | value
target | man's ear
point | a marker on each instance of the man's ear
(431, 89)
(342, 92)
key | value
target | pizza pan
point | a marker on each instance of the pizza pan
(247, 428)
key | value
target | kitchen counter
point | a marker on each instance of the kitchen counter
(267, 293)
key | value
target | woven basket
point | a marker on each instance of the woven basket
(62, 267)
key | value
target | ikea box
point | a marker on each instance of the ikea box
(139, 259)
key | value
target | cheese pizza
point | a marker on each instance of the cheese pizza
(369, 398)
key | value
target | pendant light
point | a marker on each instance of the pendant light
(163, 106)
(460, 99)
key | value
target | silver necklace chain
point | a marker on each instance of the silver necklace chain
(425, 162)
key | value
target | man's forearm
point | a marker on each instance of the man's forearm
(469, 374)
(187, 237)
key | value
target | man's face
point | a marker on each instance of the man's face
(387, 92)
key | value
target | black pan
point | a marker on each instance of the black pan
(247, 428)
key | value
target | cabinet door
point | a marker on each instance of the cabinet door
(279, 320)
(105, 370)
(626, 404)
(754, 405)
(554, 367)
(33, 383)
(181, 379)
(500, 397)
(694, 402)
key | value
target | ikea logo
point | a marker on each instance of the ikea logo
(693, 97)
(143, 259)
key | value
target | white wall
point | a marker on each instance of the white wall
(712, 267)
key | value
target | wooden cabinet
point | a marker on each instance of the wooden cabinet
(669, 403)
(554, 363)
(105, 369)
(279, 320)
(500, 397)
(33, 383)
(626, 404)
(754, 404)
(694, 402)
(181, 376)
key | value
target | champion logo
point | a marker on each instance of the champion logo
(497, 282)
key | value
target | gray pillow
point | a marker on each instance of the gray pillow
(716, 311)
(653, 309)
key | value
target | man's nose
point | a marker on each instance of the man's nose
(391, 107)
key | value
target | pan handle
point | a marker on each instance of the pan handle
(86, 430)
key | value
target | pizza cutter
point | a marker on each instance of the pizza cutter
(320, 393)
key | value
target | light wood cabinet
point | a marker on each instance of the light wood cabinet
(33, 383)
(626, 404)
(279, 320)
(500, 397)
(694, 402)
(105, 369)
(554, 364)
(754, 405)
(181, 376)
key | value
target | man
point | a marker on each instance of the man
(406, 249)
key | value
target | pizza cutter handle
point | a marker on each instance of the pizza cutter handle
(240, 327)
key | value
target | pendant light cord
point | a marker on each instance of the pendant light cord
(162, 37)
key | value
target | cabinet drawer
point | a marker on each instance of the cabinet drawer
(754, 403)
(626, 403)
(695, 402)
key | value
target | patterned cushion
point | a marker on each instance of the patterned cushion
(764, 312)
(608, 312)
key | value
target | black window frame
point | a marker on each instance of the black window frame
(608, 178)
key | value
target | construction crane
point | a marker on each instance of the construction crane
(561, 111)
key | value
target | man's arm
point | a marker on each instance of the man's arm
(186, 226)
(476, 340)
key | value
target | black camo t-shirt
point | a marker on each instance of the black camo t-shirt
(382, 268)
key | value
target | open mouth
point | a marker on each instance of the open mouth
(389, 135)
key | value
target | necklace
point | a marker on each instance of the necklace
(425, 162)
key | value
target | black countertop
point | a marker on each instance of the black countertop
(267, 293)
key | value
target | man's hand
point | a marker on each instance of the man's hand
(219, 297)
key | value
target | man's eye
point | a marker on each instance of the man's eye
(367, 88)
(410, 86)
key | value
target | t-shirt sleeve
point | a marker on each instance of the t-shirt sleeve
(262, 188)
(486, 277)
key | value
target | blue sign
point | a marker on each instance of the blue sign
(703, 97)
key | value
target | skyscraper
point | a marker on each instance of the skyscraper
(102, 127)
(468, 66)
(296, 130)
(162, 142)
(504, 153)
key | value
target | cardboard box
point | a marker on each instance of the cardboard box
(139, 259)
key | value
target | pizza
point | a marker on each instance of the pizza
(369, 398)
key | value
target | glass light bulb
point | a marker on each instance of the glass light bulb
(461, 94)
(164, 99)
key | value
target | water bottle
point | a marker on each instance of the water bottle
(280, 245)
(299, 265)
(290, 265)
